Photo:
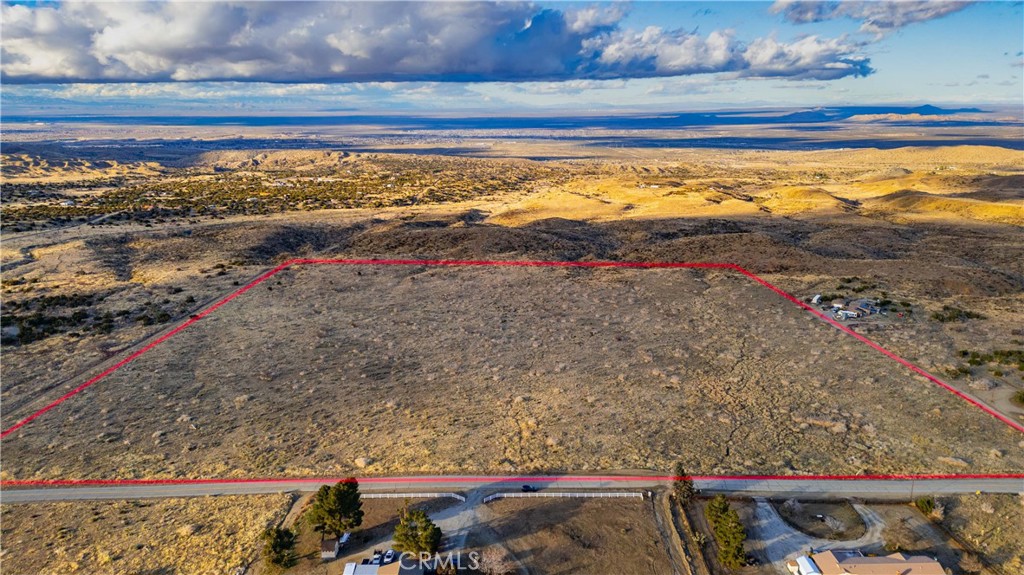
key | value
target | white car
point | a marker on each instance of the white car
(389, 556)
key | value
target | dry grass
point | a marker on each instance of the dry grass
(421, 371)
(198, 536)
(991, 525)
(916, 535)
(556, 536)
(507, 370)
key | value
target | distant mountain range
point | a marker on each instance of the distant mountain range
(611, 121)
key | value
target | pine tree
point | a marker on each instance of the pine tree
(728, 529)
(279, 546)
(337, 508)
(415, 532)
(682, 485)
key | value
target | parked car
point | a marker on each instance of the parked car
(389, 556)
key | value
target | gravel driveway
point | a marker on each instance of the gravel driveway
(774, 541)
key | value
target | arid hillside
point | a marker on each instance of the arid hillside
(479, 376)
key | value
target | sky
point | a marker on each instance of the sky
(232, 58)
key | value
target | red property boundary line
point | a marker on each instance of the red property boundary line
(497, 479)
(515, 263)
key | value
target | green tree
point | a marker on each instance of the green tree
(337, 508)
(415, 532)
(729, 534)
(279, 546)
(682, 485)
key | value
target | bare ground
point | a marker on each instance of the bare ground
(559, 536)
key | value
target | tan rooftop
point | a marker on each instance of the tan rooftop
(855, 563)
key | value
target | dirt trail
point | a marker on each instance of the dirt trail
(661, 506)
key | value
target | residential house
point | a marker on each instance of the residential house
(853, 562)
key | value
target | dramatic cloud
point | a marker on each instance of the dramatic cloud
(656, 52)
(878, 17)
(343, 42)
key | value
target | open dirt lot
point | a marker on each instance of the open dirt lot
(201, 536)
(419, 369)
(812, 518)
(552, 536)
(990, 525)
(916, 535)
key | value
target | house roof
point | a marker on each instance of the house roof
(357, 569)
(328, 545)
(395, 568)
(855, 563)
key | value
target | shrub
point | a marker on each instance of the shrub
(279, 546)
(950, 313)
(834, 524)
(1018, 397)
(793, 506)
(495, 561)
(971, 564)
(925, 504)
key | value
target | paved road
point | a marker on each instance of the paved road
(821, 488)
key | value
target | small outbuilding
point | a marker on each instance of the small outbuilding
(330, 548)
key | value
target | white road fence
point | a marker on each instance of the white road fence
(569, 494)
(411, 496)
